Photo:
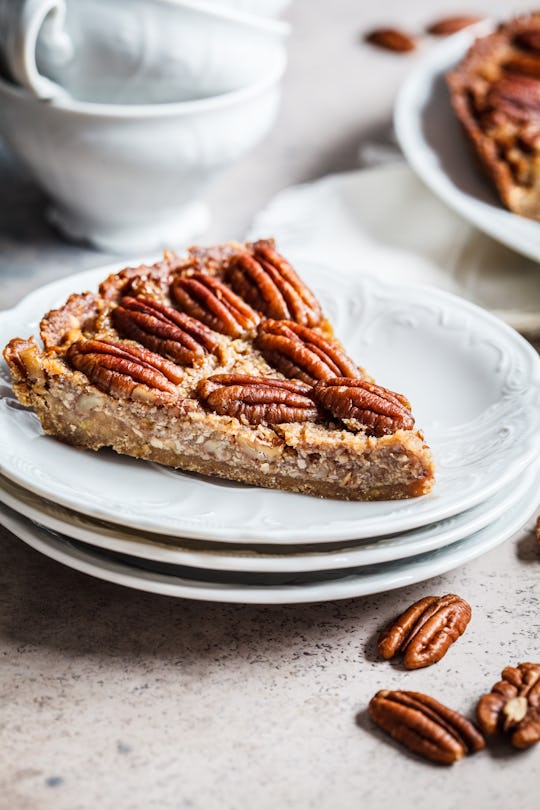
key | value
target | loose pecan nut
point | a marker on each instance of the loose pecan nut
(425, 631)
(207, 299)
(164, 330)
(425, 726)
(126, 371)
(302, 353)
(451, 25)
(257, 399)
(364, 405)
(513, 705)
(268, 282)
(391, 39)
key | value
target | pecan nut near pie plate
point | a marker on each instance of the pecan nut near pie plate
(221, 363)
(473, 382)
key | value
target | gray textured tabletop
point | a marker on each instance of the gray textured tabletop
(113, 698)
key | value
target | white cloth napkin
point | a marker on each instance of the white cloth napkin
(383, 221)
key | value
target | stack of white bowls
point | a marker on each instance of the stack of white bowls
(123, 111)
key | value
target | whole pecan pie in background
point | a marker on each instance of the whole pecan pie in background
(220, 362)
(495, 93)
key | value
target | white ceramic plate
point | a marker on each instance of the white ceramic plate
(363, 581)
(474, 384)
(435, 146)
(386, 223)
(267, 559)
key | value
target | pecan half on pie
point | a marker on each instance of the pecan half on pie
(220, 362)
(495, 93)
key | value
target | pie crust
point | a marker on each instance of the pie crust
(93, 384)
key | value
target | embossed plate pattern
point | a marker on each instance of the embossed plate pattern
(359, 582)
(474, 384)
(261, 558)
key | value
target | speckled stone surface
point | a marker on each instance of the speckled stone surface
(115, 698)
(111, 698)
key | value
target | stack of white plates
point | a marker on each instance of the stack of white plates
(475, 388)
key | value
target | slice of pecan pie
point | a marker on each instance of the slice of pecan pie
(220, 363)
(495, 93)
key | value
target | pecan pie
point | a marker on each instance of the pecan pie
(495, 93)
(220, 362)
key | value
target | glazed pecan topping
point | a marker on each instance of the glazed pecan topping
(207, 299)
(516, 97)
(425, 631)
(526, 64)
(149, 281)
(513, 705)
(364, 405)
(268, 282)
(302, 353)
(126, 371)
(257, 399)
(529, 39)
(164, 330)
(425, 726)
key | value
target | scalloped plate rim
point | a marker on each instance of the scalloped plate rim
(404, 573)
(294, 560)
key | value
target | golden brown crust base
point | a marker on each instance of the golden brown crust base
(495, 93)
(322, 459)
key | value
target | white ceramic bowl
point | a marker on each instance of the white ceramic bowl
(130, 178)
(266, 8)
(145, 51)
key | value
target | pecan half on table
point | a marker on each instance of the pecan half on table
(451, 25)
(209, 300)
(300, 352)
(364, 405)
(513, 705)
(426, 630)
(425, 726)
(164, 330)
(257, 399)
(268, 282)
(391, 39)
(125, 371)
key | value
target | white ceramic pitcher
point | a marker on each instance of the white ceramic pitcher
(132, 51)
